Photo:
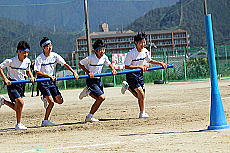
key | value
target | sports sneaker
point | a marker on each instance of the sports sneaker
(20, 126)
(125, 86)
(90, 119)
(143, 115)
(47, 123)
(45, 102)
(85, 92)
(1, 101)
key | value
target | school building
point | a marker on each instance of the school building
(171, 41)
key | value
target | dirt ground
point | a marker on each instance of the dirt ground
(179, 111)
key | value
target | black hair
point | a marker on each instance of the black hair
(22, 45)
(44, 39)
(139, 36)
(98, 43)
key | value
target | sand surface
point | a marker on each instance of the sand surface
(178, 111)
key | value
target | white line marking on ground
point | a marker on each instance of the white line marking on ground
(143, 139)
(72, 147)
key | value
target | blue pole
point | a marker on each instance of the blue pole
(217, 116)
(96, 75)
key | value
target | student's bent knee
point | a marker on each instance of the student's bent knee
(20, 102)
(59, 99)
(51, 103)
(141, 96)
(101, 98)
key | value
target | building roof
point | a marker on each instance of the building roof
(109, 34)
(125, 33)
(164, 31)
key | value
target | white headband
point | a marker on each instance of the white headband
(46, 43)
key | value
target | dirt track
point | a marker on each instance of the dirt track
(178, 112)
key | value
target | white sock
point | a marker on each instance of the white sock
(90, 115)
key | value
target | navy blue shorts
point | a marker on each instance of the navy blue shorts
(15, 91)
(95, 86)
(48, 88)
(135, 80)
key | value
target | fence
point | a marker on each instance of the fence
(188, 64)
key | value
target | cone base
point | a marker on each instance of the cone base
(222, 127)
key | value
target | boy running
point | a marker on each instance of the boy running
(91, 65)
(17, 67)
(135, 81)
(44, 66)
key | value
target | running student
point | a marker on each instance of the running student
(17, 68)
(91, 65)
(44, 66)
(135, 81)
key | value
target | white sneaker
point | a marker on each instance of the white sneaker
(45, 102)
(1, 101)
(85, 92)
(125, 86)
(91, 119)
(47, 123)
(143, 115)
(20, 126)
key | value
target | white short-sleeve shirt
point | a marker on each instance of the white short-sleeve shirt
(95, 64)
(16, 69)
(136, 58)
(47, 65)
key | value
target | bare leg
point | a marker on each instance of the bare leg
(17, 106)
(133, 92)
(58, 99)
(10, 104)
(97, 103)
(49, 108)
(141, 98)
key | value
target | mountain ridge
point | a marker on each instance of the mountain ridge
(70, 15)
(188, 15)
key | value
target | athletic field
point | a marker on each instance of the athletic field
(178, 112)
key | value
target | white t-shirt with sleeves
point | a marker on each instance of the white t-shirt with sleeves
(16, 69)
(95, 64)
(47, 65)
(136, 58)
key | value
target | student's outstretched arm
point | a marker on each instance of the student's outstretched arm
(30, 74)
(53, 78)
(70, 69)
(91, 75)
(113, 69)
(158, 63)
(130, 67)
(7, 81)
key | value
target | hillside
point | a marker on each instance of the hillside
(11, 32)
(69, 14)
(63, 21)
(188, 15)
